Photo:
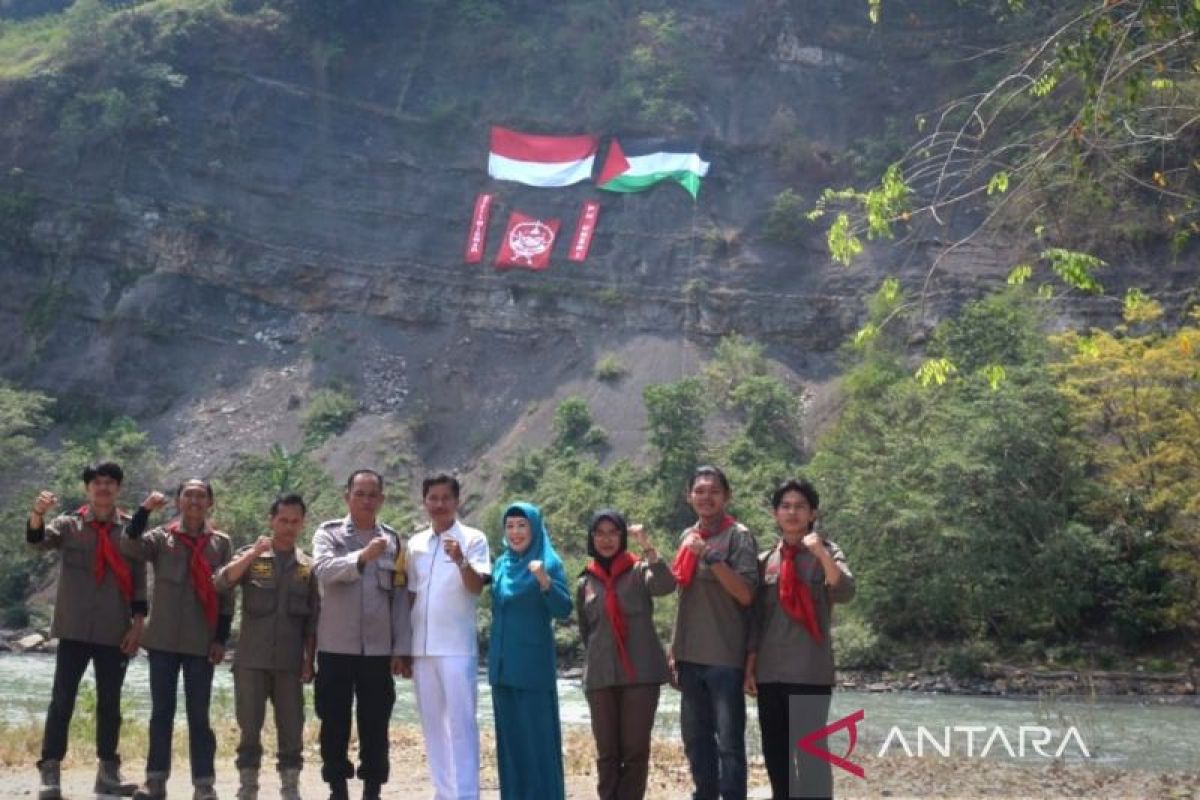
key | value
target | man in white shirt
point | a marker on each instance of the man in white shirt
(448, 567)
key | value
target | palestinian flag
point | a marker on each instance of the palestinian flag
(634, 165)
(541, 160)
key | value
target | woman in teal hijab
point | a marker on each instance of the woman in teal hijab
(529, 589)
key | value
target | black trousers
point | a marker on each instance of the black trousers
(342, 680)
(793, 772)
(70, 662)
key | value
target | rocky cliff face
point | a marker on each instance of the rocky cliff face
(301, 218)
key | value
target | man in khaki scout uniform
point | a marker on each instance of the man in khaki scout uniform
(276, 646)
(98, 613)
(189, 624)
(716, 568)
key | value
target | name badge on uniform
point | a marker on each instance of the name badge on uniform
(261, 568)
(303, 571)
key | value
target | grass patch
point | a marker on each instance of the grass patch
(50, 42)
(609, 369)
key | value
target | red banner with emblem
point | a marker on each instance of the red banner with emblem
(477, 234)
(581, 242)
(527, 242)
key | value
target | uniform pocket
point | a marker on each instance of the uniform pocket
(259, 598)
(386, 577)
(77, 558)
(297, 602)
(171, 567)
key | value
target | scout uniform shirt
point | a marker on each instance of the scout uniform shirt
(363, 612)
(602, 666)
(786, 651)
(177, 623)
(87, 609)
(280, 604)
(710, 626)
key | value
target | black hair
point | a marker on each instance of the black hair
(616, 519)
(207, 486)
(440, 478)
(517, 512)
(709, 471)
(107, 469)
(289, 499)
(801, 485)
(378, 478)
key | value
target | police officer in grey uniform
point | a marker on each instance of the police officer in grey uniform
(277, 644)
(364, 635)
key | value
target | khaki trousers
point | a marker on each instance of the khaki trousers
(251, 689)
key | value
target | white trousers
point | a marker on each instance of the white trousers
(447, 693)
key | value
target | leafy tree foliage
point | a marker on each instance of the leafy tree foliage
(1135, 393)
(963, 502)
(1082, 130)
(245, 489)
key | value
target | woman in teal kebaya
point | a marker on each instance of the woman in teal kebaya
(529, 590)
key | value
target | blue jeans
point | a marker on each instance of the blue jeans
(197, 692)
(713, 724)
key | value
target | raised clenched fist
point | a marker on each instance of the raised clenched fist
(45, 501)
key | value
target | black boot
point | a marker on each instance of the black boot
(338, 790)
(371, 790)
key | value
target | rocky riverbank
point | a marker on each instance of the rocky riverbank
(1001, 680)
(1011, 680)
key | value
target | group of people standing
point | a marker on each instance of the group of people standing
(369, 605)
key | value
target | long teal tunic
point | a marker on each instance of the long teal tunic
(522, 667)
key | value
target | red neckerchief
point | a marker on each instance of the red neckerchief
(202, 574)
(107, 557)
(684, 566)
(612, 607)
(794, 595)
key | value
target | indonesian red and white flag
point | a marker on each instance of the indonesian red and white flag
(527, 242)
(541, 160)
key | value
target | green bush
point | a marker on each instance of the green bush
(856, 645)
(967, 660)
(329, 412)
(786, 220)
(609, 369)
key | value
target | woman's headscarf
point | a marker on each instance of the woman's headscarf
(511, 571)
(616, 519)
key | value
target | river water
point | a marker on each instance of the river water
(1129, 733)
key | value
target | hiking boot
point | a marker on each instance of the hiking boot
(338, 790)
(371, 790)
(248, 778)
(205, 790)
(152, 789)
(108, 780)
(289, 784)
(50, 785)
